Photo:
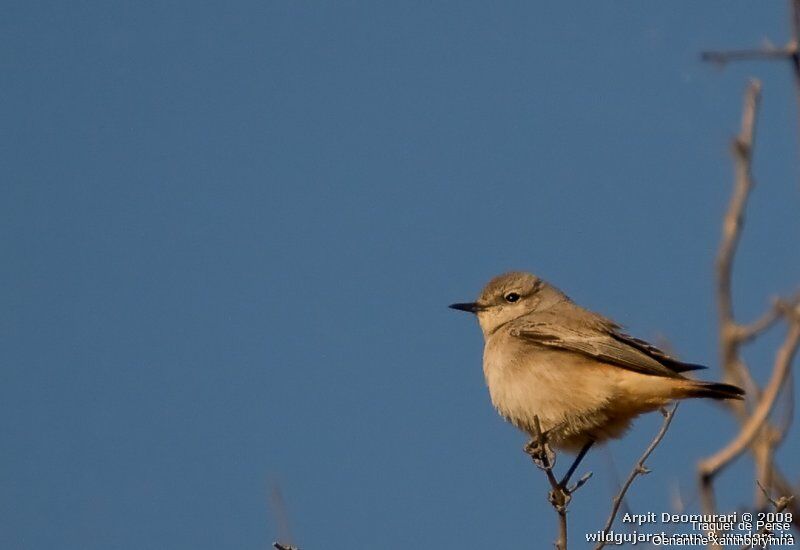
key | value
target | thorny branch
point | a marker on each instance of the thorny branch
(638, 469)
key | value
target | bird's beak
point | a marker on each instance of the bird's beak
(471, 307)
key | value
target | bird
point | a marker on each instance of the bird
(576, 372)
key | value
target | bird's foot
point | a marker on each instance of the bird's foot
(541, 453)
(559, 497)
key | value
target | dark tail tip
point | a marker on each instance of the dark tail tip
(717, 390)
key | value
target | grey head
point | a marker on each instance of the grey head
(510, 296)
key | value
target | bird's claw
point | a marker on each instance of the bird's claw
(541, 453)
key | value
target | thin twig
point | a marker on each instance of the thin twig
(782, 485)
(615, 482)
(780, 505)
(789, 52)
(558, 497)
(726, 56)
(638, 469)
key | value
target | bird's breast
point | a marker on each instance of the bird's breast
(527, 381)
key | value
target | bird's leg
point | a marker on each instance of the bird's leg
(544, 458)
(574, 466)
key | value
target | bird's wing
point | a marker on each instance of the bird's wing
(655, 353)
(600, 339)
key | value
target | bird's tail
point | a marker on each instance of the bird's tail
(714, 390)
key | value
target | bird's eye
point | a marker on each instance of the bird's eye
(512, 297)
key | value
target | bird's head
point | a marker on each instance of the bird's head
(507, 297)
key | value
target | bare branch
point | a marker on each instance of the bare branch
(726, 56)
(544, 458)
(731, 232)
(790, 52)
(712, 465)
(638, 469)
(732, 335)
(784, 487)
(771, 435)
(745, 333)
(734, 217)
(780, 505)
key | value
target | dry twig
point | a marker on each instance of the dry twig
(638, 469)
(560, 491)
(780, 505)
(756, 432)
(544, 458)
(790, 52)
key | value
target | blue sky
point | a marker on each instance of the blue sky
(231, 231)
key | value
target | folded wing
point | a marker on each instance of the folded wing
(600, 338)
